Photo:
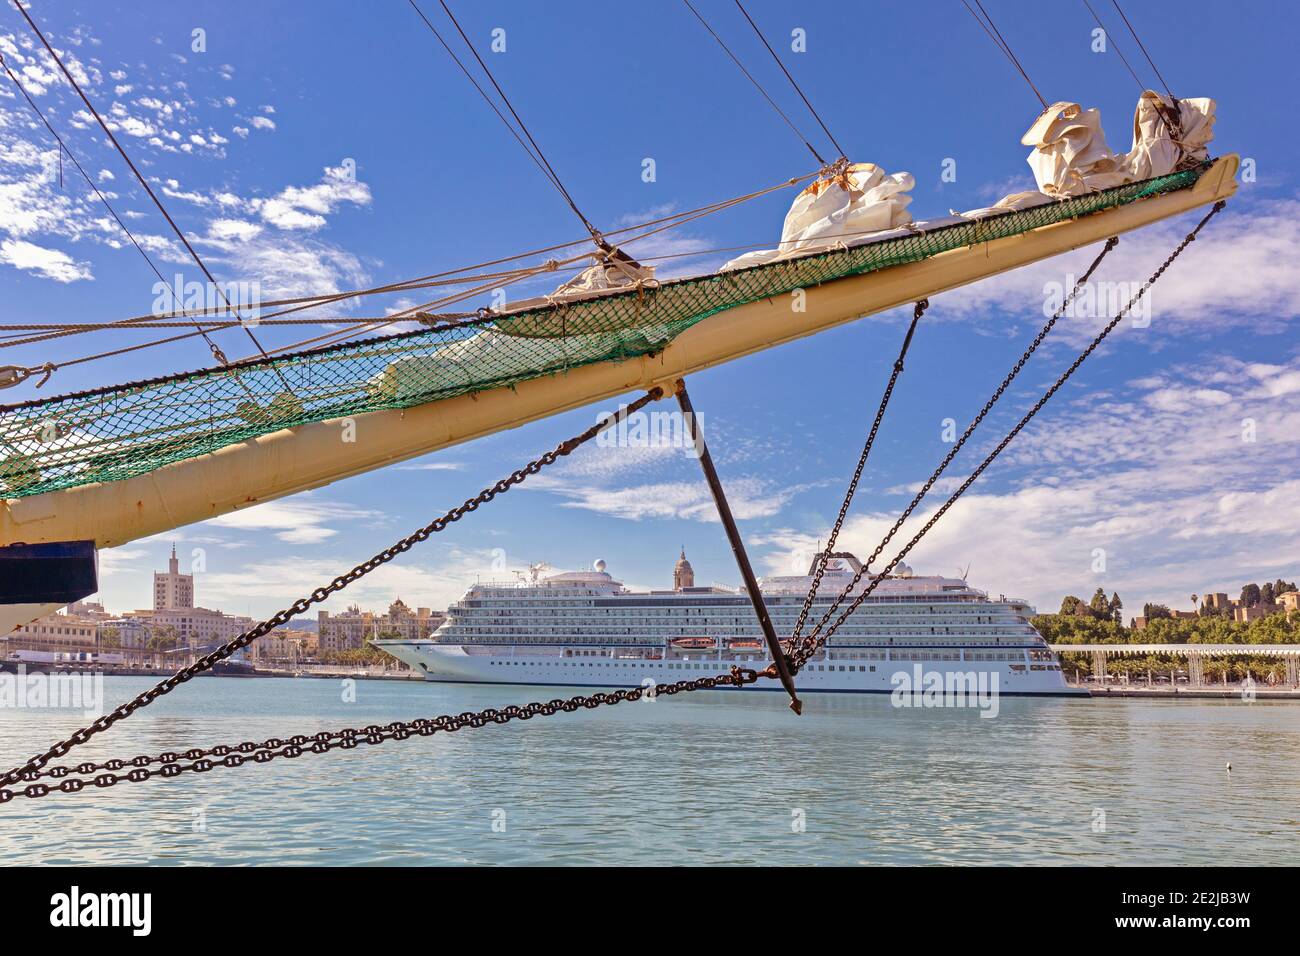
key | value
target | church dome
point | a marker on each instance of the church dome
(683, 573)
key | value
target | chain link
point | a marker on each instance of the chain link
(169, 684)
(171, 764)
(805, 647)
(952, 452)
(823, 556)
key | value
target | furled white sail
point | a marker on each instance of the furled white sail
(1070, 156)
(611, 274)
(839, 209)
(1155, 153)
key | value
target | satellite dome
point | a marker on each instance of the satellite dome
(599, 565)
(902, 570)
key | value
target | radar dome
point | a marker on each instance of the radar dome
(902, 570)
(599, 564)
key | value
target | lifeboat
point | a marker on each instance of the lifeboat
(746, 645)
(693, 643)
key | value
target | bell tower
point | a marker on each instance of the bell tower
(683, 573)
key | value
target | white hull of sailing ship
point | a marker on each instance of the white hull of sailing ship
(585, 629)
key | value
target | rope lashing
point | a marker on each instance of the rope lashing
(11, 375)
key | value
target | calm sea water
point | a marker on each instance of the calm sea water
(716, 777)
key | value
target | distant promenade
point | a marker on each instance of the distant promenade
(1155, 685)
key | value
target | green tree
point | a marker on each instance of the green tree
(1250, 595)
(1115, 606)
(1099, 605)
(1070, 605)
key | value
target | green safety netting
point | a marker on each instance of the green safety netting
(118, 432)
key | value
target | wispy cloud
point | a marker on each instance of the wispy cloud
(1173, 487)
(1228, 277)
(301, 520)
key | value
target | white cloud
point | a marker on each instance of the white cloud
(285, 265)
(748, 497)
(1228, 277)
(47, 263)
(1185, 399)
(233, 229)
(1183, 495)
(432, 466)
(305, 207)
(300, 520)
(430, 576)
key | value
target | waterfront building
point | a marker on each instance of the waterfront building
(171, 589)
(346, 631)
(285, 644)
(54, 632)
(351, 629)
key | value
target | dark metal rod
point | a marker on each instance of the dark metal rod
(738, 547)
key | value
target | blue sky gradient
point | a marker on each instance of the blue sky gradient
(1141, 456)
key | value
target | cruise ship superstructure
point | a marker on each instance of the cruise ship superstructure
(586, 629)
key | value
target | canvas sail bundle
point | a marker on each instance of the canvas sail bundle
(858, 200)
(1070, 156)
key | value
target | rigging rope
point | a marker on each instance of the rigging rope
(128, 429)
(758, 86)
(1142, 47)
(806, 101)
(548, 173)
(670, 221)
(1000, 42)
(1170, 121)
(536, 153)
(216, 352)
(86, 176)
(1132, 72)
(808, 645)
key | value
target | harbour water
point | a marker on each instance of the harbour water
(702, 778)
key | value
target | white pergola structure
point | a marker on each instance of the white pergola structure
(1194, 654)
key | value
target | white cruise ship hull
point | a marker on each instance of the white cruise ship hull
(577, 666)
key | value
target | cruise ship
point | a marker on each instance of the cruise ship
(585, 629)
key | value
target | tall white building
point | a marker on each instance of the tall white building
(174, 609)
(171, 589)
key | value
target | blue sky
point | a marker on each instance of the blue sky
(1141, 456)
